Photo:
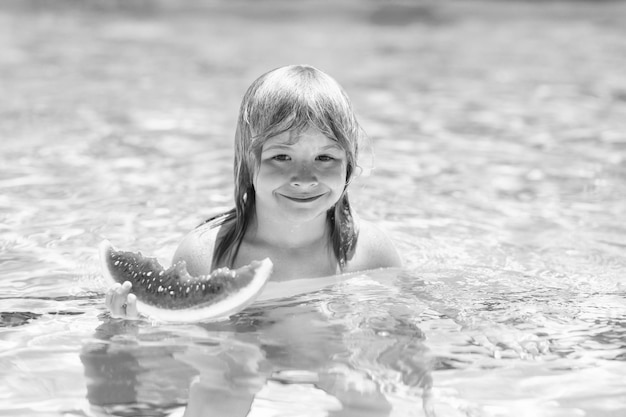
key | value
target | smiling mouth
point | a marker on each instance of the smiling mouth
(303, 199)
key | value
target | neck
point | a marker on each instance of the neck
(286, 234)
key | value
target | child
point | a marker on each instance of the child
(296, 148)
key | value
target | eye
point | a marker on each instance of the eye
(325, 158)
(281, 157)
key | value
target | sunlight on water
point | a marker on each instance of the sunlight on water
(499, 169)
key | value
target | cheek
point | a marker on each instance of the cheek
(339, 171)
(334, 177)
(267, 176)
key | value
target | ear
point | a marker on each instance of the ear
(356, 173)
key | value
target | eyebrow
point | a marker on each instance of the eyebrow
(288, 146)
(275, 146)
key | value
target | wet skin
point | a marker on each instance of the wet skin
(300, 176)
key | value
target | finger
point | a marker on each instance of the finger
(131, 307)
(125, 288)
(119, 299)
(108, 300)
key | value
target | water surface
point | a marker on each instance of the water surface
(498, 131)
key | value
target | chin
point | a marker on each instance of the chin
(284, 210)
(301, 216)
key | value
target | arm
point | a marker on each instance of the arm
(374, 250)
(196, 250)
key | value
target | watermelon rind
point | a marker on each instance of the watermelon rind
(174, 295)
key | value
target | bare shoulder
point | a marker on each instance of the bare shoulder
(375, 249)
(196, 249)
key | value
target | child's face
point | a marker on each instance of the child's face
(300, 176)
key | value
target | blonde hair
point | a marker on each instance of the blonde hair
(291, 98)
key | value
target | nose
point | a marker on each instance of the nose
(304, 177)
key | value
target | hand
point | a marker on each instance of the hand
(120, 302)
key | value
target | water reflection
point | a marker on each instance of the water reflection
(313, 355)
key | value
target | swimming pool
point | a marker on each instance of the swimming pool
(500, 170)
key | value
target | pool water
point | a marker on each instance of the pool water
(498, 131)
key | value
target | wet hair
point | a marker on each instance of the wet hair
(292, 98)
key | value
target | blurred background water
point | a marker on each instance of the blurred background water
(499, 135)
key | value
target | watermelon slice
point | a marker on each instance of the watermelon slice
(174, 295)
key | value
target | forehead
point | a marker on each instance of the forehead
(307, 137)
